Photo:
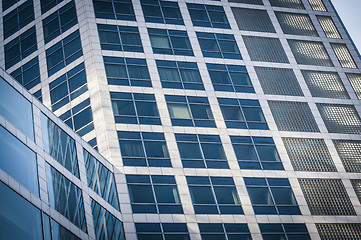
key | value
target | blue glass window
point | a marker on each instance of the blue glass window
(127, 71)
(18, 161)
(18, 18)
(256, 153)
(214, 195)
(273, 231)
(79, 118)
(272, 196)
(101, 180)
(135, 108)
(230, 78)
(218, 45)
(223, 231)
(180, 75)
(59, 145)
(201, 151)
(8, 3)
(160, 231)
(119, 38)
(173, 42)
(46, 5)
(208, 16)
(65, 197)
(16, 109)
(190, 111)
(93, 143)
(68, 86)
(162, 12)
(114, 9)
(105, 224)
(38, 95)
(21, 47)
(242, 113)
(154, 194)
(59, 21)
(28, 74)
(63, 52)
(19, 218)
(144, 149)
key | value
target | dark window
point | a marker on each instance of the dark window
(63, 52)
(154, 194)
(106, 226)
(273, 231)
(18, 161)
(162, 12)
(173, 42)
(127, 71)
(201, 151)
(144, 149)
(59, 145)
(38, 95)
(190, 111)
(8, 3)
(46, 5)
(218, 45)
(230, 78)
(114, 9)
(256, 153)
(242, 113)
(101, 179)
(135, 108)
(272, 196)
(119, 38)
(180, 75)
(68, 87)
(18, 18)
(208, 16)
(223, 231)
(214, 195)
(162, 231)
(60, 21)
(65, 197)
(28, 74)
(79, 118)
(21, 47)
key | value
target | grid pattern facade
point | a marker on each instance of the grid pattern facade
(259, 97)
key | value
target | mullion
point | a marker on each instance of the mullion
(271, 193)
(144, 150)
(256, 151)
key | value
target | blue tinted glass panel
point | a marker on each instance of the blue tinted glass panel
(19, 218)
(16, 109)
(18, 161)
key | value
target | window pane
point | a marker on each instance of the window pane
(159, 41)
(18, 161)
(190, 76)
(268, 153)
(131, 149)
(202, 195)
(16, 109)
(19, 218)
(169, 74)
(201, 112)
(283, 196)
(156, 149)
(213, 151)
(179, 111)
(166, 194)
(123, 108)
(141, 194)
(260, 195)
(232, 113)
(226, 195)
(147, 109)
(190, 151)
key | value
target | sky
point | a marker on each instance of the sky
(350, 14)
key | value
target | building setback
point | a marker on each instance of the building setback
(178, 120)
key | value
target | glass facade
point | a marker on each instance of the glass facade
(218, 120)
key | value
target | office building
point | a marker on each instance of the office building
(231, 119)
